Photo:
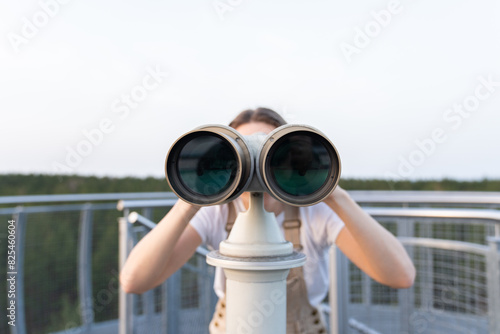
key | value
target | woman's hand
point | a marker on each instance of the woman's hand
(369, 245)
(337, 194)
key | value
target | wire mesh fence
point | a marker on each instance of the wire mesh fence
(448, 296)
(50, 273)
(451, 293)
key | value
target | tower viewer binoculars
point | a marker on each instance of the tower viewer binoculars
(214, 164)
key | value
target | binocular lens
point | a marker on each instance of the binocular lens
(300, 164)
(207, 165)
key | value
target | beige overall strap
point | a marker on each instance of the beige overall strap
(302, 318)
(231, 216)
(291, 226)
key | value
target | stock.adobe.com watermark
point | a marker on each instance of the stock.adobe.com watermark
(264, 309)
(122, 107)
(11, 273)
(31, 25)
(453, 118)
(363, 36)
(222, 7)
(422, 320)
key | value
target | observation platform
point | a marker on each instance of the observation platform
(68, 249)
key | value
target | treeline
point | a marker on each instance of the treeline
(33, 184)
(41, 184)
(429, 185)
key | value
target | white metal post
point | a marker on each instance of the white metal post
(126, 313)
(493, 276)
(256, 260)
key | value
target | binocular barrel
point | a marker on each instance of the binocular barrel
(215, 164)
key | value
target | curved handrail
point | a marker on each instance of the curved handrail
(83, 197)
(426, 197)
(452, 245)
(482, 214)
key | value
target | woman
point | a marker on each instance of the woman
(337, 220)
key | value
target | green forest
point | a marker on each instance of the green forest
(34, 184)
(51, 287)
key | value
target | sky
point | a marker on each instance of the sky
(404, 89)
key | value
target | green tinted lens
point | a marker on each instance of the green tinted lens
(207, 165)
(300, 165)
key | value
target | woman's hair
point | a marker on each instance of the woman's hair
(263, 115)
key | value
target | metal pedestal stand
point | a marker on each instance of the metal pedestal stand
(256, 260)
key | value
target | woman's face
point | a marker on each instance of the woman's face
(270, 204)
(254, 127)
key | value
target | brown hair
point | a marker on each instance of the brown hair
(263, 115)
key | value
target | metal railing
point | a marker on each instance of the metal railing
(455, 250)
(457, 285)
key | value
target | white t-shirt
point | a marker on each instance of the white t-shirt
(319, 230)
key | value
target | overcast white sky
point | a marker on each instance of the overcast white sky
(404, 89)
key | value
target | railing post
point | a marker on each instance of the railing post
(427, 270)
(148, 306)
(205, 285)
(173, 302)
(85, 268)
(406, 298)
(18, 273)
(148, 213)
(493, 277)
(366, 286)
(126, 320)
(334, 291)
(164, 308)
(339, 292)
